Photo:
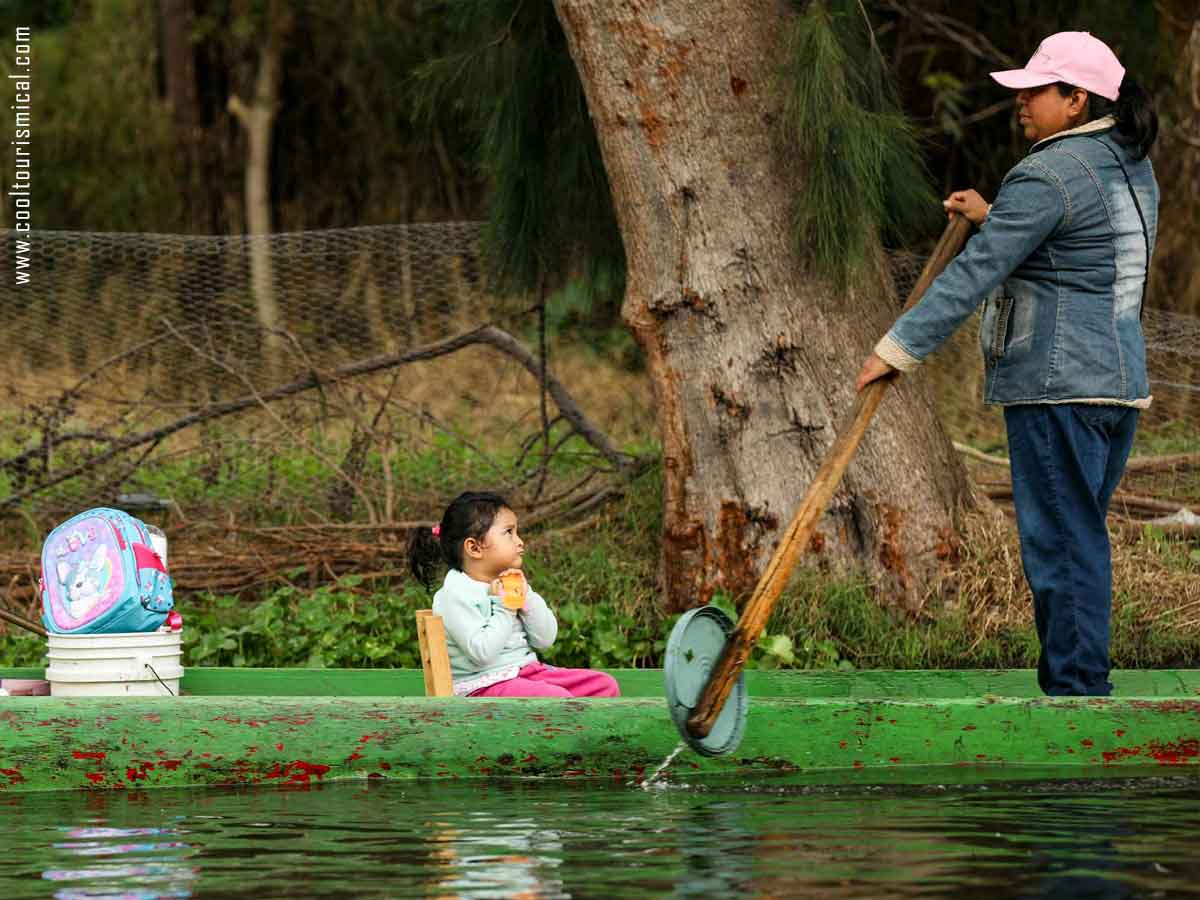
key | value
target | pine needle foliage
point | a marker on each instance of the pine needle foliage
(511, 79)
(864, 178)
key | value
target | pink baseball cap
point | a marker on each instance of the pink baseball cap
(1071, 56)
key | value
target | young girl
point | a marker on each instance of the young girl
(493, 620)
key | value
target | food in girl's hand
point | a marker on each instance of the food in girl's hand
(513, 585)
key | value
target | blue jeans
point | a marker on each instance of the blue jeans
(1066, 462)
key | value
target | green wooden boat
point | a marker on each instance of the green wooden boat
(301, 727)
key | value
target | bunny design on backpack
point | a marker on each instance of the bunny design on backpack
(101, 575)
(87, 583)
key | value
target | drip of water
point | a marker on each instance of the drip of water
(666, 762)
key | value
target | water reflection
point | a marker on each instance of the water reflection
(139, 868)
(518, 860)
(538, 840)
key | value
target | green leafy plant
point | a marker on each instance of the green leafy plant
(340, 625)
(781, 651)
(864, 178)
(20, 648)
(510, 77)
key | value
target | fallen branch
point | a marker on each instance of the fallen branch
(1133, 528)
(231, 565)
(1137, 465)
(1142, 464)
(488, 335)
(1122, 501)
(22, 622)
(980, 456)
(312, 448)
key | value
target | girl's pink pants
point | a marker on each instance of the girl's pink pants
(540, 680)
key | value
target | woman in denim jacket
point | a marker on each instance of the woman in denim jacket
(1060, 262)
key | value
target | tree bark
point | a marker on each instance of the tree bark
(257, 118)
(193, 86)
(1175, 269)
(752, 355)
(179, 82)
(1175, 272)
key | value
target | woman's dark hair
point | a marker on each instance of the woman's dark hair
(469, 515)
(1137, 122)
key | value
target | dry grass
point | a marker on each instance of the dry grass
(431, 428)
(475, 385)
(1156, 581)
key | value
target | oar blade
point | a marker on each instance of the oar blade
(693, 649)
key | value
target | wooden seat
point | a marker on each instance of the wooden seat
(435, 658)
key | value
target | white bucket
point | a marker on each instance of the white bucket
(140, 664)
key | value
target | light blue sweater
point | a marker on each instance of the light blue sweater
(487, 642)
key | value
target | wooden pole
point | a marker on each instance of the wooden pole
(804, 523)
(21, 621)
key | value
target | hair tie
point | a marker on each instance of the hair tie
(437, 530)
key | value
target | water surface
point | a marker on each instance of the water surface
(532, 839)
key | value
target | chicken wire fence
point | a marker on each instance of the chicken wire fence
(143, 371)
(366, 375)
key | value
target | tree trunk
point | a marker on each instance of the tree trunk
(193, 86)
(179, 82)
(752, 355)
(257, 118)
(1175, 270)
(1175, 276)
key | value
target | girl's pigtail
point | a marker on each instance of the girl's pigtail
(424, 556)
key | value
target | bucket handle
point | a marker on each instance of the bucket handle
(144, 661)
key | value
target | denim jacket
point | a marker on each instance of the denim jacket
(1060, 263)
